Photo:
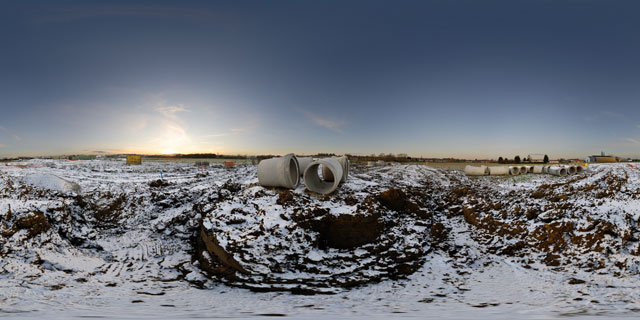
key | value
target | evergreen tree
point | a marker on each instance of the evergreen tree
(546, 159)
(517, 159)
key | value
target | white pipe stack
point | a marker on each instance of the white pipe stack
(303, 163)
(279, 172)
(327, 175)
(498, 171)
(476, 171)
(558, 171)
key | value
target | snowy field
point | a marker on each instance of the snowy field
(411, 242)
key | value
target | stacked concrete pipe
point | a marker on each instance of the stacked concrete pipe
(579, 169)
(344, 162)
(524, 170)
(537, 169)
(571, 170)
(279, 172)
(498, 171)
(304, 162)
(514, 171)
(476, 171)
(529, 169)
(558, 171)
(316, 184)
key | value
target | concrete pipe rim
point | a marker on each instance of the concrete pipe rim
(313, 181)
(294, 169)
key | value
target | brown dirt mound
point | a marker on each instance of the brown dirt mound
(347, 231)
(34, 222)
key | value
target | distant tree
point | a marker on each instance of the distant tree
(546, 159)
(500, 160)
(517, 159)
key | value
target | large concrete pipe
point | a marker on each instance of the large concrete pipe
(279, 172)
(579, 169)
(537, 169)
(545, 169)
(514, 171)
(558, 171)
(344, 162)
(571, 169)
(312, 178)
(476, 171)
(498, 171)
(529, 169)
(524, 170)
(303, 163)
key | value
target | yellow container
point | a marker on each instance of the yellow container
(134, 159)
(584, 164)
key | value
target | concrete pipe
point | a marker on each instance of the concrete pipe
(476, 171)
(524, 170)
(279, 172)
(579, 169)
(344, 162)
(498, 171)
(529, 169)
(371, 164)
(571, 170)
(514, 171)
(545, 169)
(303, 163)
(558, 171)
(313, 181)
(537, 169)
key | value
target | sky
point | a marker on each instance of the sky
(467, 79)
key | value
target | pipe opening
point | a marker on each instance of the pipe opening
(294, 175)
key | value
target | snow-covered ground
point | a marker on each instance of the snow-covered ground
(126, 244)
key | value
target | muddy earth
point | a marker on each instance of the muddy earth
(436, 231)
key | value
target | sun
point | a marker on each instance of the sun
(168, 151)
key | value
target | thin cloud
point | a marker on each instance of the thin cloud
(633, 141)
(331, 124)
(5, 130)
(170, 111)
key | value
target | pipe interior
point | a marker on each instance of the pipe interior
(294, 173)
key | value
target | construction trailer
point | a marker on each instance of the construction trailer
(133, 159)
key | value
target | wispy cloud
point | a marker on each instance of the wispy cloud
(6, 131)
(633, 141)
(604, 115)
(331, 124)
(170, 111)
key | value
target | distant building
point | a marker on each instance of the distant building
(602, 158)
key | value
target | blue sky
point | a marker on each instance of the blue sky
(473, 79)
